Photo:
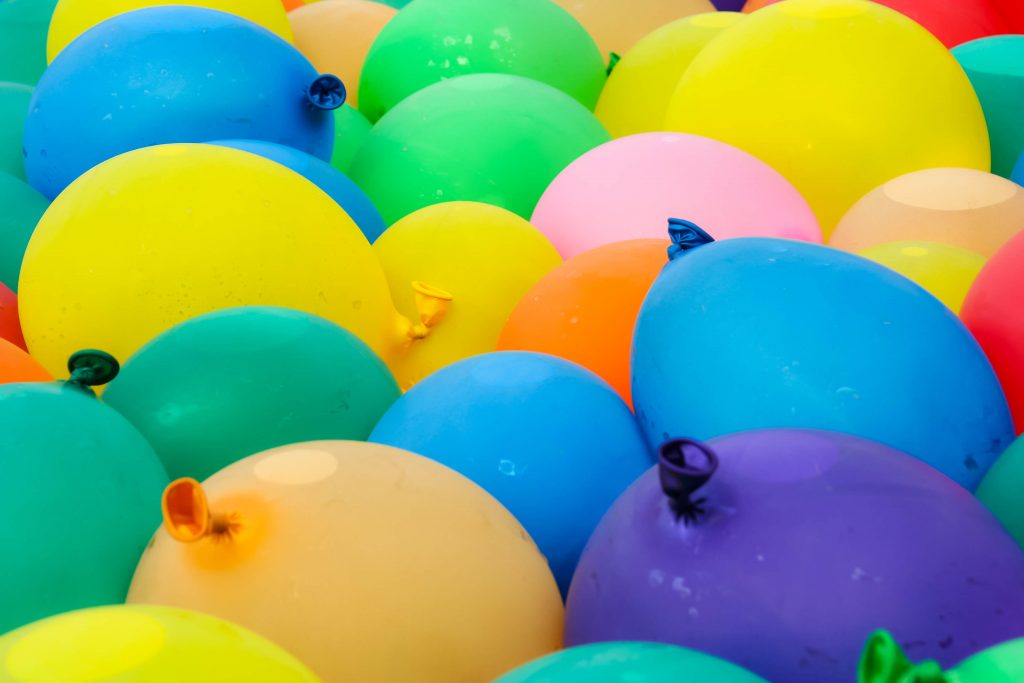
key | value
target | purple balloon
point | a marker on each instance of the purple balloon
(798, 547)
(729, 5)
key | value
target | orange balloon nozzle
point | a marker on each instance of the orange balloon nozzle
(432, 305)
(187, 516)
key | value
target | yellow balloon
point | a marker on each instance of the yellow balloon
(143, 644)
(638, 92)
(367, 562)
(72, 18)
(487, 258)
(837, 95)
(616, 25)
(947, 272)
(162, 234)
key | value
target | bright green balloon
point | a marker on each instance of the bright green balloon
(433, 40)
(488, 138)
(1001, 488)
(629, 663)
(350, 131)
(81, 498)
(21, 207)
(14, 100)
(995, 66)
(225, 385)
(883, 661)
(23, 28)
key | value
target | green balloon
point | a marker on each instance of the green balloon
(21, 207)
(487, 138)
(995, 66)
(350, 131)
(883, 661)
(629, 663)
(1001, 488)
(14, 100)
(23, 28)
(225, 385)
(433, 40)
(81, 500)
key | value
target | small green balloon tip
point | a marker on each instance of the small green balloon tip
(91, 368)
(883, 661)
(613, 61)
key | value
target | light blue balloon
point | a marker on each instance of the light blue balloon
(172, 74)
(332, 181)
(756, 333)
(1018, 171)
(550, 440)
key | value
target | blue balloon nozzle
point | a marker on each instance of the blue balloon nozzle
(327, 92)
(684, 466)
(685, 236)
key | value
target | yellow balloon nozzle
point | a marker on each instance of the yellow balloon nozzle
(187, 516)
(432, 305)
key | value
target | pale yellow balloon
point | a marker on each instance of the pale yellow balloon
(961, 207)
(837, 95)
(72, 18)
(637, 94)
(617, 25)
(947, 272)
(162, 234)
(367, 562)
(487, 258)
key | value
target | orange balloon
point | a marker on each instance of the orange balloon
(10, 324)
(585, 309)
(616, 25)
(17, 366)
(292, 4)
(336, 35)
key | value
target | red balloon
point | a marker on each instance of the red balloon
(951, 21)
(1013, 12)
(10, 324)
(992, 311)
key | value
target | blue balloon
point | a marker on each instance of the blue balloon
(550, 440)
(172, 74)
(756, 333)
(329, 179)
(1018, 171)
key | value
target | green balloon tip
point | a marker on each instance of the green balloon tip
(91, 368)
(883, 661)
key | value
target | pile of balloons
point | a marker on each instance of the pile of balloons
(512, 341)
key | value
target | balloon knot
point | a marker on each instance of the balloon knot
(432, 305)
(883, 661)
(684, 466)
(685, 236)
(613, 61)
(91, 368)
(327, 92)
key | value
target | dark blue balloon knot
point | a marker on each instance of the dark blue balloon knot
(684, 466)
(327, 92)
(685, 236)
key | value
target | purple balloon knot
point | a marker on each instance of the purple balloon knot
(684, 466)
(327, 92)
(685, 236)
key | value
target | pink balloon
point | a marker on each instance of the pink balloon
(628, 189)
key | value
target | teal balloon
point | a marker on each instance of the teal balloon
(1001, 488)
(397, 4)
(23, 28)
(81, 499)
(21, 207)
(14, 101)
(350, 131)
(995, 66)
(225, 385)
(630, 663)
(434, 40)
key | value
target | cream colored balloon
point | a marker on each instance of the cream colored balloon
(617, 25)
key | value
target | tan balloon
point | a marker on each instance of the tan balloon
(617, 25)
(367, 562)
(960, 207)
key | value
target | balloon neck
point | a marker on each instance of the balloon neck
(613, 61)
(883, 661)
(91, 368)
(684, 466)
(187, 515)
(327, 92)
(432, 305)
(685, 236)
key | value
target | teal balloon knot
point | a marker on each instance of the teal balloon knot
(685, 236)
(883, 661)
(91, 368)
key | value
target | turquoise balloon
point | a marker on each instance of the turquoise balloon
(23, 28)
(1001, 488)
(14, 101)
(81, 499)
(350, 131)
(21, 207)
(225, 385)
(629, 663)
